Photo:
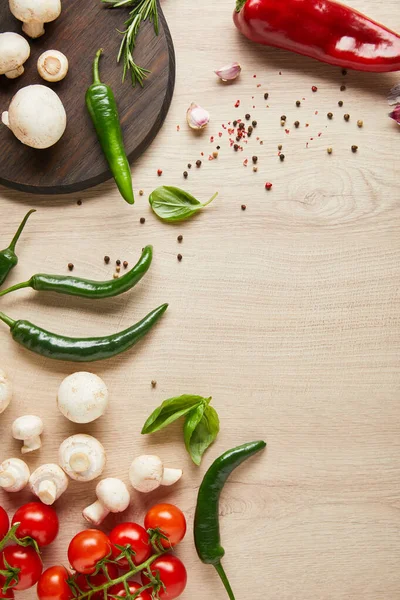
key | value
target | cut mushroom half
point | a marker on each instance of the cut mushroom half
(112, 496)
(48, 482)
(6, 391)
(28, 429)
(147, 473)
(52, 65)
(82, 457)
(14, 52)
(82, 397)
(14, 475)
(34, 14)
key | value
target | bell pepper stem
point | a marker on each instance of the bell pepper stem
(19, 230)
(7, 320)
(13, 288)
(220, 570)
(96, 74)
(240, 4)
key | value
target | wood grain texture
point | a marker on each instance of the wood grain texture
(288, 314)
(77, 162)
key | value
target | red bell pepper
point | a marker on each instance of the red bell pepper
(322, 29)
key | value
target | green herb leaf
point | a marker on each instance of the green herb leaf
(172, 204)
(171, 410)
(200, 431)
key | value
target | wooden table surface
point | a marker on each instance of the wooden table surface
(287, 313)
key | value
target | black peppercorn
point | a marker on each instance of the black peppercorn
(249, 130)
(342, 88)
(254, 123)
(185, 174)
(118, 262)
(283, 118)
(254, 159)
(241, 125)
(346, 117)
(198, 163)
(234, 123)
(189, 166)
(235, 147)
(243, 207)
(179, 257)
(298, 103)
(282, 157)
(247, 117)
(142, 220)
(297, 124)
(70, 266)
(180, 238)
(266, 96)
(344, 71)
(354, 149)
(106, 259)
(125, 263)
(330, 115)
(340, 103)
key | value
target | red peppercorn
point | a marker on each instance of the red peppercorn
(314, 88)
(268, 185)
(159, 172)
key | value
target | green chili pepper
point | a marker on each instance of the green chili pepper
(8, 258)
(206, 523)
(87, 288)
(60, 347)
(102, 107)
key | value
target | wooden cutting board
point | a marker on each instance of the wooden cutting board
(76, 161)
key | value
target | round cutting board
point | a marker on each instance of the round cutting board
(76, 161)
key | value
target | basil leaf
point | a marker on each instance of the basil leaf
(171, 410)
(200, 431)
(173, 204)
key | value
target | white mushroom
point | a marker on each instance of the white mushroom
(34, 14)
(48, 482)
(36, 116)
(147, 473)
(14, 475)
(82, 397)
(113, 496)
(52, 65)
(14, 51)
(82, 457)
(28, 429)
(5, 391)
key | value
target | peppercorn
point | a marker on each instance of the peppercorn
(360, 123)
(247, 117)
(189, 165)
(241, 125)
(268, 185)
(346, 117)
(330, 115)
(314, 88)
(180, 238)
(218, 147)
(297, 124)
(235, 147)
(142, 220)
(266, 96)
(329, 150)
(153, 383)
(283, 118)
(344, 71)
(255, 169)
(282, 157)
(280, 146)
(234, 123)
(243, 207)
(159, 172)
(117, 269)
(198, 163)
(342, 88)
(70, 266)
(185, 174)
(283, 123)
(79, 203)
(179, 257)
(249, 130)
(118, 262)
(254, 123)
(115, 276)
(298, 103)
(238, 138)
(215, 154)
(254, 159)
(340, 103)
(106, 259)
(141, 192)
(125, 263)
(354, 149)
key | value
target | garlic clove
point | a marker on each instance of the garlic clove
(229, 72)
(395, 114)
(197, 117)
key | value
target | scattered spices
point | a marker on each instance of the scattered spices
(106, 259)
(79, 203)
(238, 138)
(159, 172)
(254, 123)
(314, 88)
(117, 269)
(255, 169)
(115, 276)
(242, 125)
(342, 88)
(268, 185)
(346, 117)
(360, 123)
(329, 150)
(283, 123)
(218, 147)
(178, 127)
(142, 220)
(247, 116)
(279, 146)
(235, 147)
(340, 103)
(141, 192)
(215, 154)
(180, 238)
(282, 157)
(344, 71)
(330, 115)
(266, 95)
(237, 103)
(354, 149)
(189, 165)
(283, 118)
(234, 123)
(185, 174)
(153, 383)
(70, 267)
(254, 159)
(198, 163)
(249, 130)
(298, 103)
(118, 262)
(244, 207)
(245, 162)
(297, 124)
(125, 263)
(179, 257)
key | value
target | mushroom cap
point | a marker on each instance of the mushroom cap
(52, 65)
(14, 474)
(49, 472)
(37, 117)
(5, 391)
(85, 450)
(14, 51)
(113, 494)
(82, 397)
(145, 473)
(37, 11)
(26, 427)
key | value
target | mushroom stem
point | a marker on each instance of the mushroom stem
(4, 119)
(47, 492)
(171, 476)
(15, 73)
(7, 479)
(79, 462)
(31, 444)
(96, 513)
(33, 29)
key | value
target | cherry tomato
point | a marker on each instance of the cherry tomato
(86, 549)
(9, 593)
(120, 591)
(25, 559)
(170, 520)
(38, 521)
(53, 584)
(172, 573)
(4, 523)
(138, 539)
(96, 580)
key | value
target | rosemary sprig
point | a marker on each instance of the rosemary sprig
(141, 11)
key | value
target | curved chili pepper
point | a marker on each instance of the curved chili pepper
(206, 521)
(322, 29)
(102, 107)
(8, 258)
(59, 347)
(88, 288)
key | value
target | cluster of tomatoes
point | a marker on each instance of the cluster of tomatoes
(20, 562)
(107, 565)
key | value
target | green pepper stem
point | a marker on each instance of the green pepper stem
(7, 320)
(19, 230)
(17, 286)
(224, 579)
(96, 74)
(240, 4)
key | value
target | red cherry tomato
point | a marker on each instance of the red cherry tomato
(172, 573)
(170, 520)
(38, 521)
(9, 593)
(25, 559)
(138, 539)
(96, 581)
(86, 549)
(4, 523)
(53, 584)
(120, 591)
